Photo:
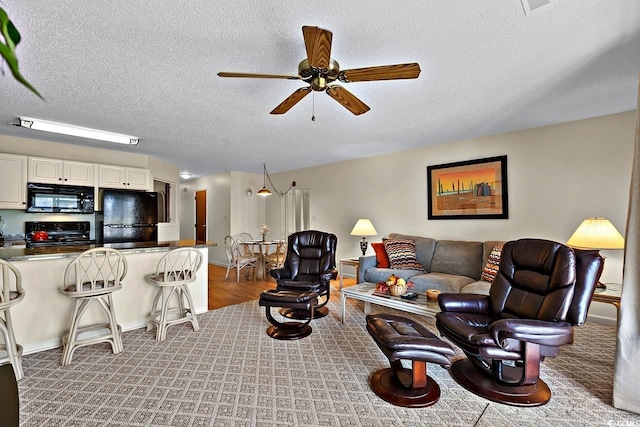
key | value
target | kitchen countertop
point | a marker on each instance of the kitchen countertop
(28, 254)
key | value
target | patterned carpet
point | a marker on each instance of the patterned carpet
(231, 373)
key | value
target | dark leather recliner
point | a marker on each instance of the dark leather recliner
(9, 399)
(308, 267)
(542, 290)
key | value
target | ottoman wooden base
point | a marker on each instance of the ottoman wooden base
(401, 338)
(304, 301)
(476, 381)
(385, 384)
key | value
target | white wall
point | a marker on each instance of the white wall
(247, 212)
(557, 176)
(218, 211)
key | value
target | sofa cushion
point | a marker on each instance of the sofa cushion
(458, 258)
(488, 247)
(382, 258)
(479, 287)
(377, 275)
(441, 281)
(424, 247)
(402, 254)
(490, 269)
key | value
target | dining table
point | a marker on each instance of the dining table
(261, 252)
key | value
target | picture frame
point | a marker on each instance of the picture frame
(471, 189)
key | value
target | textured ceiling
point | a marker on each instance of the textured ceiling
(149, 69)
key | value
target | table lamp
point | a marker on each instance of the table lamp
(596, 234)
(363, 228)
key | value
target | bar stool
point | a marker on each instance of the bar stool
(93, 276)
(175, 271)
(11, 293)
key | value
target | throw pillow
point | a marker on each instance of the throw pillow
(382, 258)
(490, 270)
(402, 254)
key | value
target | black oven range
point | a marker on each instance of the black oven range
(57, 233)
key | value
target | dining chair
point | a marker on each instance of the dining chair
(238, 260)
(246, 249)
(276, 259)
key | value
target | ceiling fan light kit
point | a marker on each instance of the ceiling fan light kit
(320, 71)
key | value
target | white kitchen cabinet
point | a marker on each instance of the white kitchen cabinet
(13, 176)
(56, 171)
(121, 177)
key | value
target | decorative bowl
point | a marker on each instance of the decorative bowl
(396, 290)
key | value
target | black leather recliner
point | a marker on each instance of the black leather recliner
(9, 399)
(542, 290)
(308, 267)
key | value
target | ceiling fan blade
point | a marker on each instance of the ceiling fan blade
(258, 76)
(292, 100)
(318, 44)
(383, 72)
(347, 99)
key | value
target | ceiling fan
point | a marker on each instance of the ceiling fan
(319, 70)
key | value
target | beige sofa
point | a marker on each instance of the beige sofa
(449, 265)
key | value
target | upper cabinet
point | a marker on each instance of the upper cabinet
(122, 177)
(55, 171)
(13, 175)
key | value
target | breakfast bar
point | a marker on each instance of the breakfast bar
(42, 318)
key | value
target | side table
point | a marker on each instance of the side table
(354, 262)
(610, 295)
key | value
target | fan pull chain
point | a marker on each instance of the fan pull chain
(313, 103)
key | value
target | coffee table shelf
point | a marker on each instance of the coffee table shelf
(366, 292)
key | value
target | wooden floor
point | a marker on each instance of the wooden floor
(224, 292)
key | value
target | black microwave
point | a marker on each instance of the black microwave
(53, 198)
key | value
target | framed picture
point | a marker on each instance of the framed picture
(473, 189)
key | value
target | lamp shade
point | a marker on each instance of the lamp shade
(596, 233)
(364, 228)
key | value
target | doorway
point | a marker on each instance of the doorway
(201, 215)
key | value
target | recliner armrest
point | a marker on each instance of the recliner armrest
(280, 273)
(542, 332)
(464, 303)
(326, 276)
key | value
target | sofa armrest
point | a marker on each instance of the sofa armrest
(366, 262)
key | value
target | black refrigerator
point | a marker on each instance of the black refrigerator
(128, 217)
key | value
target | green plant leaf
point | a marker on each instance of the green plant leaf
(8, 49)
(13, 33)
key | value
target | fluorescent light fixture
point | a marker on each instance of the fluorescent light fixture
(185, 175)
(65, 129)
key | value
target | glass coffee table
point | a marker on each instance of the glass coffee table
(366, 292)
